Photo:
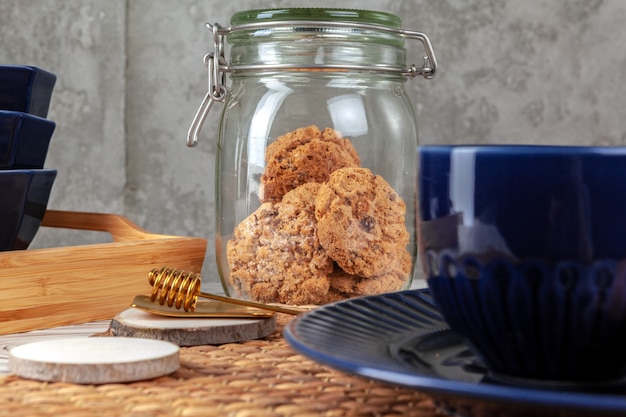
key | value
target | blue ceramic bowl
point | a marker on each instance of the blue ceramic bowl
(24, 198)
(26, 89)
(24, 140)
(524, 248)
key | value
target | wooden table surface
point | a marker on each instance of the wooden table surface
(257, 378)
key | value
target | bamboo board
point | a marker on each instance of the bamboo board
(44, 288)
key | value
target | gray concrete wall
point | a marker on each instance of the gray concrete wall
(130, 79)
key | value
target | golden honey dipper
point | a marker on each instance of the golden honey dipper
(181, 289)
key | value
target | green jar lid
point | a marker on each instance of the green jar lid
(317, 14)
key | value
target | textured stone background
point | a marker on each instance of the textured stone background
(130, 79)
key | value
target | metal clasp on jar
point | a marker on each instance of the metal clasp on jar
(218, 66)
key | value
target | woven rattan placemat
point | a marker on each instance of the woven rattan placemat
(256, 378)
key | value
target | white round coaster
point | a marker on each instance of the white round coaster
(94, 360)
(190, 331)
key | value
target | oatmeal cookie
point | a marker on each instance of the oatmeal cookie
(302, 156)
(344, 285)
(361, 222)
(275, 255)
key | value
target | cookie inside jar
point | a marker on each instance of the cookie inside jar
(326, 229)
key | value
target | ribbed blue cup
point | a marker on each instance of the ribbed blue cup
(524, 248)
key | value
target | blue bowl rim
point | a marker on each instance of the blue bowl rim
(23, 115)
(31, 171)
(31, 68)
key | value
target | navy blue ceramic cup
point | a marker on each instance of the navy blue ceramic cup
(524, 248)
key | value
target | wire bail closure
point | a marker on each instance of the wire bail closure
(217, 65)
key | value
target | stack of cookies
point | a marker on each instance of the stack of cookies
(327, 228)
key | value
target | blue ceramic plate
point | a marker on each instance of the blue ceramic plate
(401, 338)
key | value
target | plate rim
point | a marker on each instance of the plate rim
(580, 401)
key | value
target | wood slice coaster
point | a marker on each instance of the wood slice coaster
(97, 360)
(190, 331)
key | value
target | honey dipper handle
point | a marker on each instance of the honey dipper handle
(278, 309)
(120, 228)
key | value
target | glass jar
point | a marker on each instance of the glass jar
(316, 161)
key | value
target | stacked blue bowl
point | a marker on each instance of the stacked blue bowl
(25, 135)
